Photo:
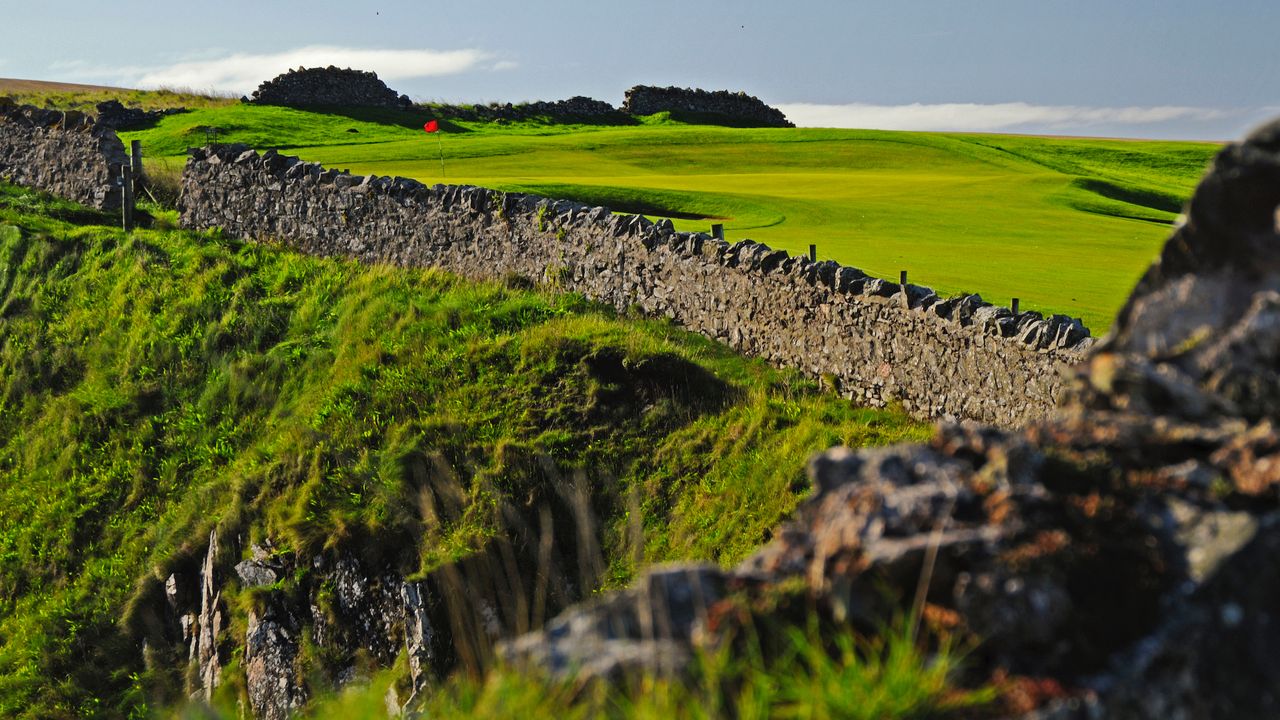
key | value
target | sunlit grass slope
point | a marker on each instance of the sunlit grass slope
(155, 385)
(1064, 224)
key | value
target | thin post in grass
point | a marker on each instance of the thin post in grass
(440, 146)
(717, 231)
(902, 278)
(1014, 305)
(135, 159)
(126, 197)
(813, 253)
(135, 162)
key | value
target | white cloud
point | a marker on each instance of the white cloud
(987, 117)
(242, 72)
(505, 65)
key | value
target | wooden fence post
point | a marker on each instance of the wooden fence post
(126, 196)
(717, 231)
(135, 159)
(813, 252)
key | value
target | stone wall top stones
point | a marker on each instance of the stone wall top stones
(743, 108)
(575, 107)
(328, 86)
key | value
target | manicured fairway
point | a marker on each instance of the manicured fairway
(1064, 224)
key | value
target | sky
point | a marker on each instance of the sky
(1127, 68)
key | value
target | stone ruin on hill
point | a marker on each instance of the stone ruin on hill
(1117, 560)
(578, 106)
(332, 86)
(328, 86)
(738, 106)
(113, 114)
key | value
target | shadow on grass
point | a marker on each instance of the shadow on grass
(622, 200)
(1164, 202)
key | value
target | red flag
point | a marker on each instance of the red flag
(431, 126)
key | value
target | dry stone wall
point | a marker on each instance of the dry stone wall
(878, 342)
(576, 107)
(113, 114)
(306, 87)
(64, 153)
(744, 108)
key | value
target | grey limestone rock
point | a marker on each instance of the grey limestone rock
(646, 628)
(271, 650)
(205, 647)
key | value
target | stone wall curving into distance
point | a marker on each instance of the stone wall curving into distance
(876, 341)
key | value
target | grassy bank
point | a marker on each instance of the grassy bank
(158, 384)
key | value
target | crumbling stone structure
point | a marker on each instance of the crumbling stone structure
(306, 87)
(740, 107)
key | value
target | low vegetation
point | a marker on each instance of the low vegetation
(157, 384)
(810, 677)
(73, 96)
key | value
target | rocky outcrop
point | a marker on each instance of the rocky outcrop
(876, 341)
(64, 153)
(738, 107)
(331, 86)
(204, 631)
(1117, 556)
(342, 609)
(272, 675)
(313, 624)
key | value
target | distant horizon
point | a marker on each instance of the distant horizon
(6, 81)
(1090, 68)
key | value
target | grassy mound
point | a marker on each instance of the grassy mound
(157, 384)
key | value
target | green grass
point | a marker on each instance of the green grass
(811, 676)
(157, 384)
(69, 99)
(807, 672)
(1066, 225)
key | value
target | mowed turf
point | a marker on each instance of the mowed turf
(1064, 224)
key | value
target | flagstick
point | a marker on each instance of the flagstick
(440, 144)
